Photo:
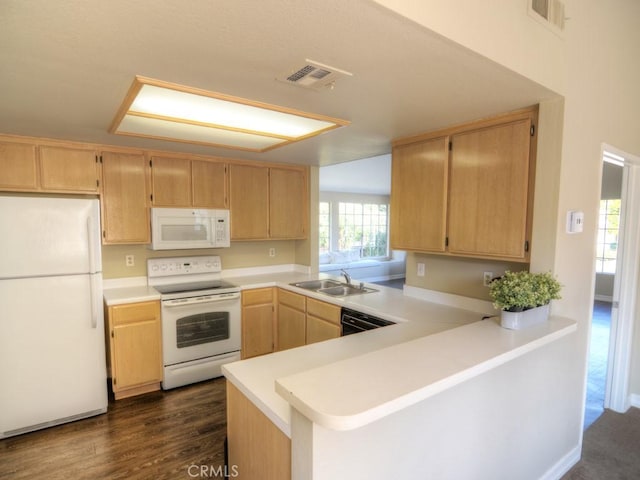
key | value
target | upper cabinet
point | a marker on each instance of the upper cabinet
(288, 205)
(249, 202)
(488, 206)
(268, 202)
(419, 181)
(32, 168)
(468, 190)
(69, 169)
(18, 166)
(125, 198)
(183, 182)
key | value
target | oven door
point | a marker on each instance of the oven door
(200, 327)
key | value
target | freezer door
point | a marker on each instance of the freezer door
(52, 352)
(43, 236)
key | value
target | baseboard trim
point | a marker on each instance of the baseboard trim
(564, 464)
(634, 399)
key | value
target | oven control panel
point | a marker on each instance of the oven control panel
(175, 266)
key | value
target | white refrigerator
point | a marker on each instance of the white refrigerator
(52, 348)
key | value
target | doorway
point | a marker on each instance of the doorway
(607, 244)
(617, 269)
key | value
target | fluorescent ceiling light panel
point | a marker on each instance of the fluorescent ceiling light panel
(162, 110)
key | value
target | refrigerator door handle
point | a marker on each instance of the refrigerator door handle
(92, 271)
(94, 300)
(90, 244)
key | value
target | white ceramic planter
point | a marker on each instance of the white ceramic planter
(519, 320)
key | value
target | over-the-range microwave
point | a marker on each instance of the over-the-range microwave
(186, 228)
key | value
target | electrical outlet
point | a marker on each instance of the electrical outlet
(420, 270)
(486, 278)
(272, 252)
(130, 260)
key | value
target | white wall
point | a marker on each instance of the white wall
(368, 175)
(487, 428)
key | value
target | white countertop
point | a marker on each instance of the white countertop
(351, 393)
(133, 294)
(351, 381)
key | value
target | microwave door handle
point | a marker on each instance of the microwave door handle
(195, 301)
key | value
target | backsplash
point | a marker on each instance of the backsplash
(239, 255)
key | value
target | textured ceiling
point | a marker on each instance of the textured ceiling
(66, 66)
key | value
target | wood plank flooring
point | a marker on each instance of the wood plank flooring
(160, 435)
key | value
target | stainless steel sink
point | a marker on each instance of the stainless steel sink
(333, 288)
(345, 290)
(316, 284)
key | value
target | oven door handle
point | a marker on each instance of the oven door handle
(181, 302)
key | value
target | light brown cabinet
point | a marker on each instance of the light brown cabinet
(490, 191)
(323, 321)
(125, 199)
(468, 190)
(249, 202)
(419, 182)
(288, 205)
(18, 167)
(257, 322)
(32, 168)
(69, 170)
(268, 202)
(292, 320)
(183, 182)
(135, 348)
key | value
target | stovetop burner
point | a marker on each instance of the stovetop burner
(194, 286)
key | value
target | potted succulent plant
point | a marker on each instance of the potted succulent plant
(523, 297)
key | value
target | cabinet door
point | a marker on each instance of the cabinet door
(257, 322)
(209, 182)
(489, 191)
(125, 199)
(137, 355)
(257, 330)
(171, 182)
(249, 202)
(68, 169)
(419, 196)
(136, 344)
(291, 327)
(18, 168)
(319, 330)
(288, 204)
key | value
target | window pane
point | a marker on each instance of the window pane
(607, 238)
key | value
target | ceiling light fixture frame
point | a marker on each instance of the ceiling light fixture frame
(160, 126)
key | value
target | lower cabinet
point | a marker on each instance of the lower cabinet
(134, 343)
(275, 319)
(323, 321)
(257, 322)
(257, 448)
(291, 320)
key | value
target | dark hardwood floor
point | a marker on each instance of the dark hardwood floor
(177, 434)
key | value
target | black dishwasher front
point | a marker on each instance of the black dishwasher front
(352, 321)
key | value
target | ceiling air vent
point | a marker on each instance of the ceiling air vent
(549, 12)
(313, 75)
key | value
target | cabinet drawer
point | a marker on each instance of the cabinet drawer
(291, 299)
(135, 312)
(258, 296)
(323, 310)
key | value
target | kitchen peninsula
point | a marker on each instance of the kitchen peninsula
(404, 401)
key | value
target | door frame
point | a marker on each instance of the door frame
(625, 289)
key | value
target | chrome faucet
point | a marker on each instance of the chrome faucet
(347, 277)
